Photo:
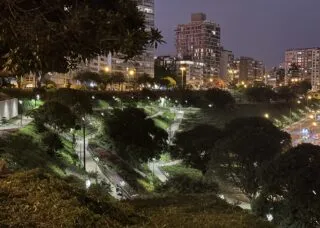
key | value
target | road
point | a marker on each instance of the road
(111, 178)
(300, 135)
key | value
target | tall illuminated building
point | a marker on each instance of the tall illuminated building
(139, 64)
(199, 41)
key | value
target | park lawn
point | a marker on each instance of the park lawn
(218, 118)
(23, 151)
(181, 169)
(161, 123)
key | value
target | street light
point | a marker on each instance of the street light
(132, 72)
(84, 142)
(183, 69)
(35, 100)
(106, 69)
(308, 99)
(20, 102)
(266, 116)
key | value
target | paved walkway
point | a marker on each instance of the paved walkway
(92, 166)
(174, 127)
(16, 124)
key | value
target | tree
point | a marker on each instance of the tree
(260, 94)
(40, 36)
(51, 142)
(183, 184)
(164, 71)
(220, 98)
(194, 146)
(248, 145)
(302, 87)
(78, 101)
(168, 82)
(144, 79)
(56, 115)
(87, 78)
(117, 78)
(291, 188)
(286, 93)
(137, 138)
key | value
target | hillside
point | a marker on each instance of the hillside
(36, 199)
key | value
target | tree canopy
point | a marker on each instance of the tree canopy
(194, 146)
(291, 188)
(220, 98)
(248, 144)
(55, 114)
(260, 94)
(54, 36)
(136, 137)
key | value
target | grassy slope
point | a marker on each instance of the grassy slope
(195, 212)
(23, 150)
(36, 199)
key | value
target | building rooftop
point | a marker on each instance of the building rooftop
(298, 49)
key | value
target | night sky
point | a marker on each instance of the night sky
(261, 29)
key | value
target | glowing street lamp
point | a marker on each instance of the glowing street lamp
(183, 69)
(107, 69)
(267, 116)
(20, 102)
(132, 72)
(314, 124)
(35, 100)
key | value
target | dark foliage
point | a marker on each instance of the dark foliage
(249, 144)
(220, 98)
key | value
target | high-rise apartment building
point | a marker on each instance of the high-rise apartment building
(199, 42)
(139, 64)
(307, 59)
(226, 65)
(167, 63)
(249, 69)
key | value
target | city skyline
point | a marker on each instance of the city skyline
(259, 29)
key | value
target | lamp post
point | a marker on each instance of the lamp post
(35, 100)
(308, 99)
(107, 69)
(183, 69)
(84, 142)
(20, 102)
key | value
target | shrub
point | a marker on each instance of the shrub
(51, 142)
(182, 184)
